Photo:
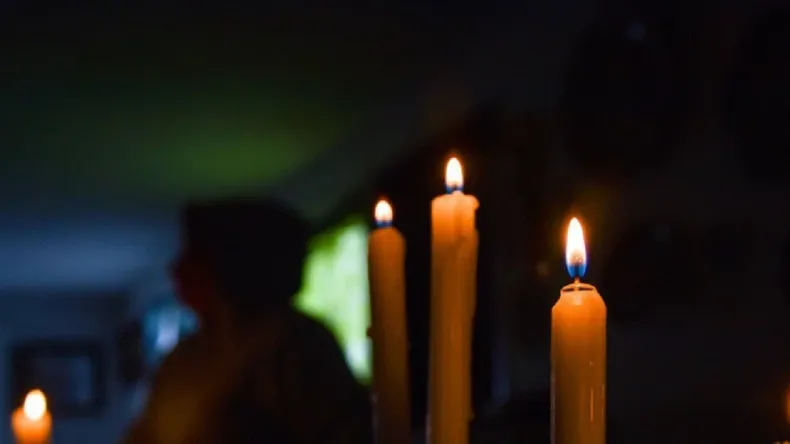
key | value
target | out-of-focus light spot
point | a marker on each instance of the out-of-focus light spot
(35, 406)
(383, 213)
(336, 290)
(454, 176)
(542, 269)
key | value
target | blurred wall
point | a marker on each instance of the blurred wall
(26, 317)
(152, 289)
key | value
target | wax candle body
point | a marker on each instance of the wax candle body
(578, 363)
(31, 431)
(453, 290)
(386, 256)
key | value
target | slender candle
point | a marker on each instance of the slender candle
(578, 354)
(386, 257)
(31, 423)
(454, 242)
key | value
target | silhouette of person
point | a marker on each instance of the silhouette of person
(257, 371)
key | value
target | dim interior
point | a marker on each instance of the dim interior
(334, 291)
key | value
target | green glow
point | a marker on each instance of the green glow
(169, 144)
(336, 290)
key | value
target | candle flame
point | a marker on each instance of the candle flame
(35, 406)
(383, 213)
(575, 251)
(454, 176)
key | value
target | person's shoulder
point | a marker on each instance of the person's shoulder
(181, 356)
(184, 348)
(308, 340)
(306, 330)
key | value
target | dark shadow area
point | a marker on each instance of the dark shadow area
(663, 126)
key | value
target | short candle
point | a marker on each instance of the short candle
(32, 423)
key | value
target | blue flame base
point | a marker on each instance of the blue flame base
(577, 270)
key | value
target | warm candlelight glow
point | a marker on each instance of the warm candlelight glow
(787, 404)
(454, 176)
(31, 423)
(383, 213)
(35, 405)
(575, 251)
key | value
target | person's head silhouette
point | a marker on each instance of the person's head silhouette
(238, 254)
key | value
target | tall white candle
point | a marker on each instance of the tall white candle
(578, 354)
(31, 423)
(454, 242)
(391, 390)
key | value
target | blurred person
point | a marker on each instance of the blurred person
(257, 371)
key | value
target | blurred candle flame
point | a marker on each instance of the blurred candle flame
(35, 406)
(383, 213)
(454, 176)
(575, 250)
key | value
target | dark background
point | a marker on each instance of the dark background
(663, 125)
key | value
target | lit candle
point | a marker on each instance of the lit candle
(386, 257)
(454, 242)
(31, 423)
(578, 354)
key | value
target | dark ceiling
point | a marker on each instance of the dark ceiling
(111, 115)
(166, 107)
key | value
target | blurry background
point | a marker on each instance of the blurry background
(663, 124)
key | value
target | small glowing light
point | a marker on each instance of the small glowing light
(383, 213)
(35, 405)
(575, 251)
(454, 176)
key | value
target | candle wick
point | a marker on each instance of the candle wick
(577, 280)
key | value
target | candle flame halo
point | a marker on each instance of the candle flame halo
(383, 213)
(575, 250)
(454, 175)
(35, 406)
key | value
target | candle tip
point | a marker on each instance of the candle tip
(454, 176)
(383, 213)
(35, 405)
(575, 250)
